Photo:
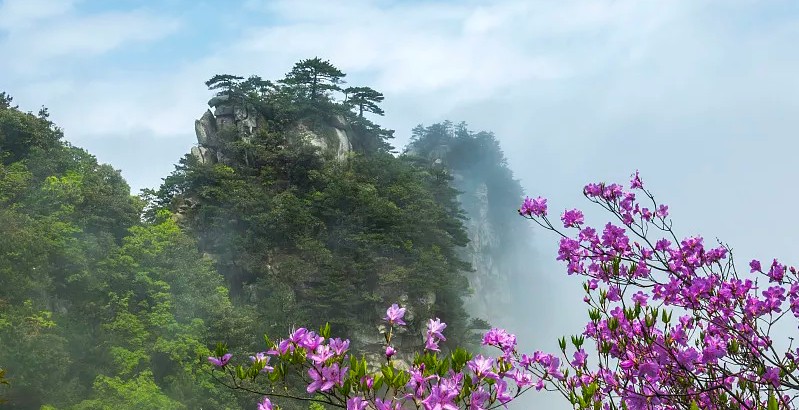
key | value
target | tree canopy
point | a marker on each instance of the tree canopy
(314, 78)
(226, 83)
(103, 310)
(364, 99)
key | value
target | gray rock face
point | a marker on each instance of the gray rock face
(500, 252)
(223, 110)
(333, 138)
(495, 252)
(339, 122)
(490, 285)
(219, 100)
(344, 144)
(205, 129)
(203, 154)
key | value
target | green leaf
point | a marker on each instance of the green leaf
(401, 378)
(442, 367)
(772, 402)
(221, 349)
(388, 373)
(378, 382)
(346, 387)
(325, 330)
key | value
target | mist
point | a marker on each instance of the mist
(700, 97)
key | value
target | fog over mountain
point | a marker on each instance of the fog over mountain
(700, 97)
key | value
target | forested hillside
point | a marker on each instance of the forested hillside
(292, 210)
(97, 310)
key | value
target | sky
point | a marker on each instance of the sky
(700, 96)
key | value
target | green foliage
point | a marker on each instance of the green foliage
(364, 99)
(139, 393)
(478, 158)
(103, 311)
(5, 100)
(305, 96)
(22, 134)
(308, 241)
(314, 79)
(3, 383)
(304, 240)
(225, 82)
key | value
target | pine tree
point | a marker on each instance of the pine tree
(364, 99)
(256, 87)
(5, 100)
(227, 83)
(315, 77)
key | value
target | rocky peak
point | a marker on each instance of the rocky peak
(333, 137)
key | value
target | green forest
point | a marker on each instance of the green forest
(112, 300)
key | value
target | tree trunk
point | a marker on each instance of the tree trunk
(313, 87)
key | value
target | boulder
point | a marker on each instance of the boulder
(205, 129)
(223, 110)
(203, 154)
(338, 121)
(218, 100)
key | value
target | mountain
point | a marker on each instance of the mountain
(499, 246)
(292, 210)
(311, 219)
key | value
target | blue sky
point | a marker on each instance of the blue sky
(701, 96)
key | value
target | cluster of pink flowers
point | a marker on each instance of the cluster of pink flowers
(447, 382)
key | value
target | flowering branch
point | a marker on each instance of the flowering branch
(717, 355)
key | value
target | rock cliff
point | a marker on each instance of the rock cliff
(499, 242)
(497, 251)
(232, 120)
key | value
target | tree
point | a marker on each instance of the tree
(24, 133)
(98, 310)
(315, 77)
(225, 82)
(364, 99)
(256, 87)
(5, 100)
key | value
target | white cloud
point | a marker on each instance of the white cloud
(41, 35)
(441, 55)
(20, 14)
